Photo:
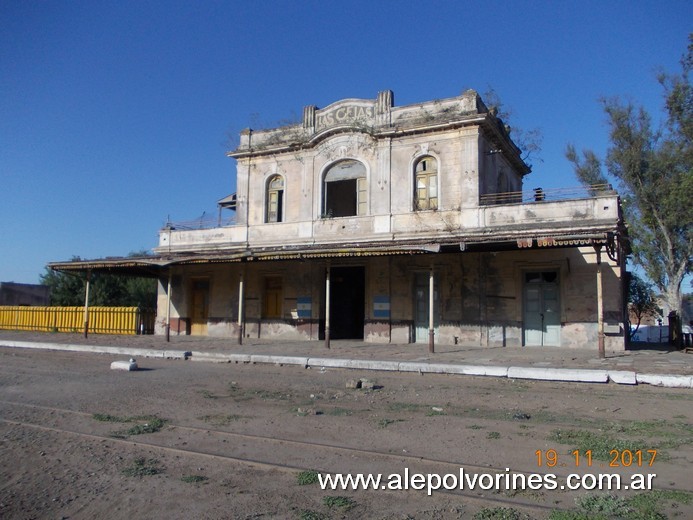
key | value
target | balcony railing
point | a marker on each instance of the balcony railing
(205, 221)
(546, 195)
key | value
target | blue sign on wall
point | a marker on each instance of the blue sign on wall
(381, 307)
(304, 306)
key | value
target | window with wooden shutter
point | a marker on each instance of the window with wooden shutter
(426, 184)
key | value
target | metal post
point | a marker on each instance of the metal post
(240, 309)
(431, 333)
(86, 305)
(327, 306)
(168, 308)
(600, 304)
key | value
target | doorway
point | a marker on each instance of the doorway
(542, 310)
(347, 302)
(421, 307)
(200, 308)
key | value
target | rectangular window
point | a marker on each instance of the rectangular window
(426, 191)
(345, 198)
(362, 196)
(273, 206)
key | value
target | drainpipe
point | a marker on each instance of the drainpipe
(168, 308)
(86, 305)
(431, 343)
(327, 306)
(600, 303)
(240, 308)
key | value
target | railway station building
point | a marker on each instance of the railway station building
(393, 224)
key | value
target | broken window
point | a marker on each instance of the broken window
(346, 190)
(426, 184)
(275, 199)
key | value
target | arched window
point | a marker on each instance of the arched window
(345, 190)
(426, 183)
(275, 199)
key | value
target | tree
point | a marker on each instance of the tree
(529, 141)
(641, 301)
(107, 290)
(654, 171)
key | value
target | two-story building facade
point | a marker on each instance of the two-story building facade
(395, 225)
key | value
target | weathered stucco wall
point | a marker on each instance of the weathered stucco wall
(480, 297)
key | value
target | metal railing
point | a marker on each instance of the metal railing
(204, 221)
(102, 320)
(546, 195)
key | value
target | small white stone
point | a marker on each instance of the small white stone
(124, 365)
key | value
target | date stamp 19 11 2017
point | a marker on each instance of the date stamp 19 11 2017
(617, 458)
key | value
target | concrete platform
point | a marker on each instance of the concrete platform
(672, 369)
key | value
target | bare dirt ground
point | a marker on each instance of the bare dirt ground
(182, 439)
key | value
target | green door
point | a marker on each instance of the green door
(542, 310)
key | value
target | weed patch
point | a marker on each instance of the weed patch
(105, 417)
(501, 513)
(384, 423)
(600, 444)
(337, 502)
(142, 467)
(306, 478)
(649, 505)
(221, 419)
(146, 424)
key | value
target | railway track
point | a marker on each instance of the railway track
(262, 452)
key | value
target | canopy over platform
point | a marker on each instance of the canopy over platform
(155, 266)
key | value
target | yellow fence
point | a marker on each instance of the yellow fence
(102, 320)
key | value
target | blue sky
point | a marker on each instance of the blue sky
(116, 115)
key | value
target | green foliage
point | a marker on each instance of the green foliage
(570, 515)
(153, 425)
(643, 506)
(529, 141)
(106, 417)
(606, 505)
(384, 423)
(107, 290)
(600, 444)
(654, 170)
(500, 513)
(343, 503)
(309, 514)
(221, 419)
(142, 467)
(145, 424)
(305, 478)
(641, 300)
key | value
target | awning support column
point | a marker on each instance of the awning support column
(168, 308)
(240, 309)
(600, 303)
(86, 305)
(327, 306)
(431, 304)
